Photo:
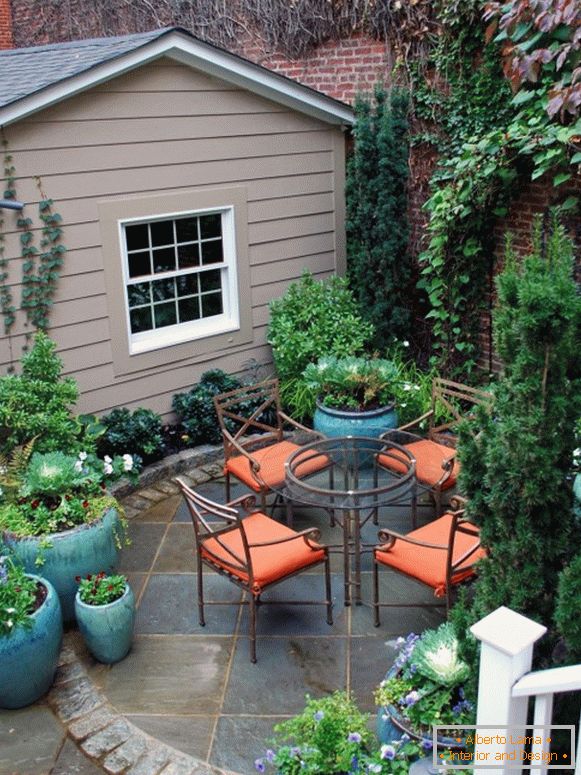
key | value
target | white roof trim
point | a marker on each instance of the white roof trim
(203, 57)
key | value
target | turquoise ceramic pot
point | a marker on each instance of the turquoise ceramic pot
(577, 496)
(29, 657)
(336, 422)
(107, 629)
(85, 549)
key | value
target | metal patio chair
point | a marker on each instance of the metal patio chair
(437, 467)
(255, 450)
(253, 551)
(441, 554)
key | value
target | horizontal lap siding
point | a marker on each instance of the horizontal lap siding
(167, 129)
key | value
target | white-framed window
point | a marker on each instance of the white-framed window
(180, 277)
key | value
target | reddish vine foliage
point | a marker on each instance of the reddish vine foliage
(541, 38)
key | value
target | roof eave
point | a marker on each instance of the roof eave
(206, 58)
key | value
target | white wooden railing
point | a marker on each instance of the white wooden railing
(505, 686)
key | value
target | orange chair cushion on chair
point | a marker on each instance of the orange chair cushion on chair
(269, 563)
(429, 457)
(272, 460)
(429, 565)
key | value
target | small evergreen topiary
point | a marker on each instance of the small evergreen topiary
(378, 258)
(137, 433)
(516, 460)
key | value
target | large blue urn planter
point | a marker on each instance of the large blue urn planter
(107, 629)
(85, 549)
(29, 656)
(338, 422)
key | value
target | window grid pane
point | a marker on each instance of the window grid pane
(189, 289)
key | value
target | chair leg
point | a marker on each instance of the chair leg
(289, 512)
(375, 593)
(201, 594)
(252, 612)
(437, 495)
(328, 599)
(227, 482)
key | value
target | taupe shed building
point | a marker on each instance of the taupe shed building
(194, 186)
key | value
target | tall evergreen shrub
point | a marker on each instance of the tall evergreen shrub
(379, 263)
(514, 470)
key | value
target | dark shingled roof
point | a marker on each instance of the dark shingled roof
(24, 71)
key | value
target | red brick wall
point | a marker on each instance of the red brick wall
(6, 39)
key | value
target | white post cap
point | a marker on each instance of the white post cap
(507, 631)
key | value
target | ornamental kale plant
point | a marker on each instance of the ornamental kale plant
(331, 736)
(58, 492)
(100, 589)
(18, 596)
(426, 684)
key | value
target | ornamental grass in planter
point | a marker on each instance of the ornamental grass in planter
(105, 612)
(355, 396)
(30, 635)
(57, 515)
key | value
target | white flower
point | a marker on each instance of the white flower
(407, 386)
(127, 462)
(9, 624)
(403, 406)
(79, 465)
(417, 387)
(108, 468)
(405, 343)
(107, 459)
(82, 455)
(10, 610)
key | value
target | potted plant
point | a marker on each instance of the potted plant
(355, 396)
(60, 517)
(331, 737)
(425, 687)
(105, 611)
(577, 472)
(30, 635)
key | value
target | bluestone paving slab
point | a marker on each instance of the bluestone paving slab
(278, 618)
(396, 620)
(370, 660)
(169, 605)
(72, 761)
(136, 582)
(177, 551)
(287, 668)
(240, 740)
(164, 511)
(145, 538)
(171, 674)
(30, 740)
(189, 734)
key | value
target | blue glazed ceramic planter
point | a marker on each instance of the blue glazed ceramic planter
(577, 496)
(107, 629)
(29, 657)
(85, 549)
(337, 422)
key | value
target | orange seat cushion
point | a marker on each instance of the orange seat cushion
(429, 457)
(429, 565)
(271, 460)
(269, 563)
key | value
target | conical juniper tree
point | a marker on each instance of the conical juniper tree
(378, 259)
(515, 467)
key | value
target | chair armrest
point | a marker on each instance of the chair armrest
(239, 448)
(299, 426)
(458, 503)
(389, 537)
(312, 533)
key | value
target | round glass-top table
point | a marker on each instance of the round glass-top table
(345, 476)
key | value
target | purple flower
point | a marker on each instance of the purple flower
(270, 755)
(3, 572)
(387, 752)
(295, 750)
(427, 745)
(354, 737)
(354, 765)
(259, 765)
(319, 715)
(411, 698)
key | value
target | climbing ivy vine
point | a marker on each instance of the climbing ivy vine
(41, 263)
(488, 140)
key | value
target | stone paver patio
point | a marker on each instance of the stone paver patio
(186, 691)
